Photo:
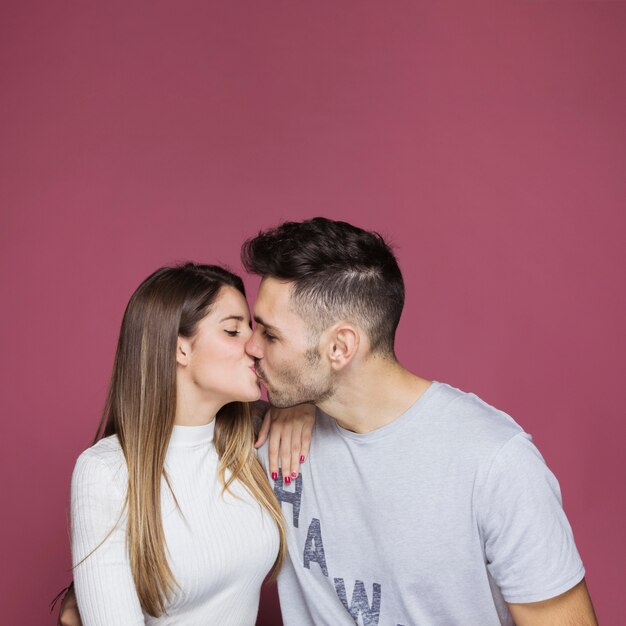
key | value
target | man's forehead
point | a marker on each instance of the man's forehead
(273, 301)
(273, 293)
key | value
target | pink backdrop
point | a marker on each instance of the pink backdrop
(488, 141)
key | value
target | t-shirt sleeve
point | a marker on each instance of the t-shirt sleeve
(529, 545)
(105, 590)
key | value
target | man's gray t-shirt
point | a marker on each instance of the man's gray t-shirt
(438, 518)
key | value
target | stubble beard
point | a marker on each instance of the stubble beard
(304, 385)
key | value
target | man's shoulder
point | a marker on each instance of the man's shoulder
(469, 418)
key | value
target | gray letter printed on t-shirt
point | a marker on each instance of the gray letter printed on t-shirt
(292, 497)
(314, 547)
(359, 602)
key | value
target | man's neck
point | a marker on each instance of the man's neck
(373, 395)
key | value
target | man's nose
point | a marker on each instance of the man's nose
(253, 347)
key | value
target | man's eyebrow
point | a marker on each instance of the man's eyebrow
(239, 318)
(259, 320)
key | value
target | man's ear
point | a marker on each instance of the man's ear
(183, 350)
(344, 341)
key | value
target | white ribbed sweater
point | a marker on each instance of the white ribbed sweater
(219, 549)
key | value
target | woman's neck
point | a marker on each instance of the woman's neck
(190, 413)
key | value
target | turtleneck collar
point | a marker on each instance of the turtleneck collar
(192, 435)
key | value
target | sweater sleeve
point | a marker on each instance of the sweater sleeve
(105, 589)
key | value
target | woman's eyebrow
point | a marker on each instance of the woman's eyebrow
(239, 318)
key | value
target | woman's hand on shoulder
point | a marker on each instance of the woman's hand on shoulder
(289, 433)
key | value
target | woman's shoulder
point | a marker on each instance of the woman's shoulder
(99, 486)
(103, 461)
(106, 450)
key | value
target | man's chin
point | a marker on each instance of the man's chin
(275, 400)
(285, 403)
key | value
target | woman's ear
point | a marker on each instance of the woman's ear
(183, 350)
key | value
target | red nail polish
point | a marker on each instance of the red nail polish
(287, 480)
(274, 476)
(294, 475)
(302, 458)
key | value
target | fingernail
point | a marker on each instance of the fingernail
(302, 458)
(274, 476)
(287, 479)
(294, 475)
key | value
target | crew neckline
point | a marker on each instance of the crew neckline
(192, 435)
(411, 413)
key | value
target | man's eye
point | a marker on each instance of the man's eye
(232, 333)
(268, 336)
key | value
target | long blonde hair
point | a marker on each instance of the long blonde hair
(140, 410)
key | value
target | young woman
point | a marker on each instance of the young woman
(173, 519)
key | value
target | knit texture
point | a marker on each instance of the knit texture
(220, 546)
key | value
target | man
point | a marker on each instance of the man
(419, 504)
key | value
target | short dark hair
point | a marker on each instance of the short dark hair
(339, 271)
